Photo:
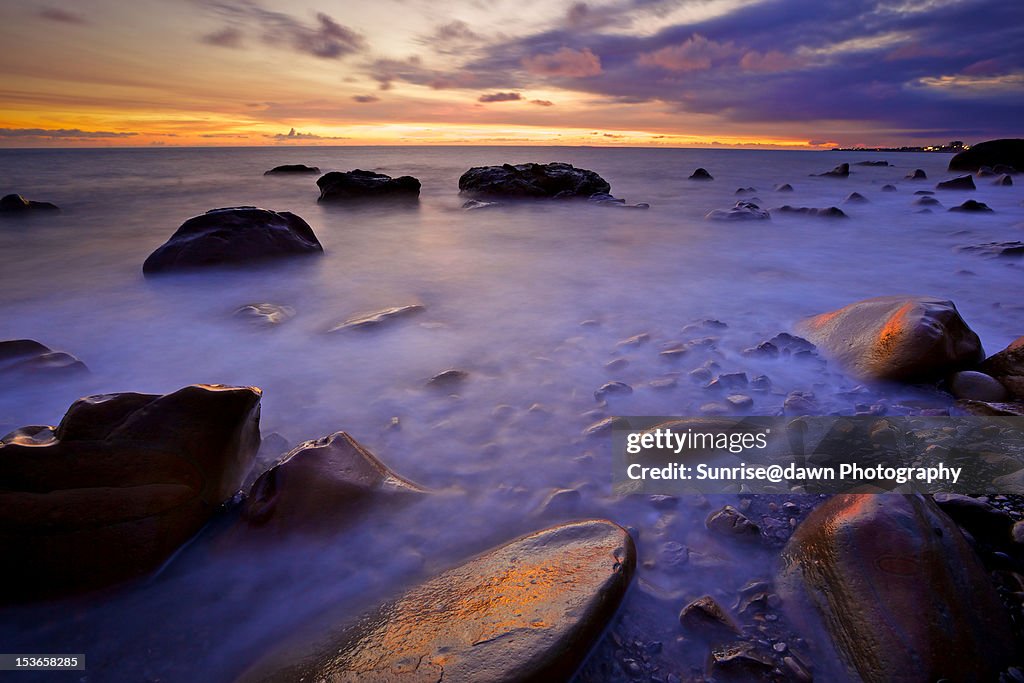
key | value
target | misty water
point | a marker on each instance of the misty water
(532, 300)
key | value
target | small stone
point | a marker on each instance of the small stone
(705, 618)
(612, 388)
(447, 379)
(761, 383)
(635, 340)
(715, 408)
(730, 521)
(616, 364)
(604, 426)
(700, 374)
(663, 383)
(739, 401)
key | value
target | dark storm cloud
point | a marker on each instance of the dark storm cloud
(320, 37)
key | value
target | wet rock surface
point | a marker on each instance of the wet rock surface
(265, 314)
(829, 212)
(971, 206)
(1012, 249)
(298, 169)
(701, 174)
(555, 180)
(962, 183)
(840, 171)
(1007, 366)
(369, 321)
(742, 211)
(30, 359)
(528, 610)
(1007, 152)
(16, 204)
(233, 236)
(339, 186)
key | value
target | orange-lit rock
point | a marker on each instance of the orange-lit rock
(527, 611)
(886, 589)
(119, 485)
(1007, 366)
(896, 338)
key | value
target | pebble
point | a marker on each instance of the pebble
(739, 400)
(619, 388)
(635, 340)
(663, 383)
(715, 408)
(616, 364)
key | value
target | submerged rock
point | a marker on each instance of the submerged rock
(889, 188)
(1004, 181)
(368, 321)
(742, 211)
(449, 379)
(554, 180)
(965, 182)
(729, 521)
(529, 610)
(917, 174)
(237, 235)
(319, 485)
(856, 198)
(1007, 366)
(927, 200)
(840, 171)
(29, 358)
(830, 212)
(701, 174)
(607, 200)
(292, 168)
(476, 205)
(359, 184)
(119, 485)
(704, 618)
(887, 589)
(784, 187)
(872, 163)
(971, 206)
(268, 315)
(1007, 151)
(896, 338)
(15, 203)
(1014, 249)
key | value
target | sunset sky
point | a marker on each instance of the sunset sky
(794, 73)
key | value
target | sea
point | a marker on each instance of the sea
(533, 300)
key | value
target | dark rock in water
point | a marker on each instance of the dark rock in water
(267, 315)
(889, 188)
(607, 200)
(236, 235)
(896, 338)
(292, 168)
(449, 379)
(1007, 366)
(119, 485)
(729, 521)
(784, 187)
(840, 171)
(927, 200)
(32, 360)
(856, 198)
(993, 409)
(318, 485)
(612, 388)
(925, 192)
(971, 206)
(981, 520)
(1004, 181)
(1005, 169)
(15, 203)
(378, 318)
(739, 663)
(897, 593)
(701, 174)
(791, 345)
(976, 386)
(1008, 152)
(872, 163)
(704, 618)
(742, 211)
(830, 212)
(527, 611)
(745, 190)
(476, 205)
(917, 174)
(985, 172)
(964, 182)
(1013, 249)
(359, 184)
(555, 180)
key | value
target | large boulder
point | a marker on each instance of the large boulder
(317, 484)
(555, 180)
(234, 235)
(527, 611)
(119, 485)
(1008, 152)
(359, 185)
(15, 203)
(287, 169)
(898, 338)
(27, 357)
(1007, 366)
(886, 589)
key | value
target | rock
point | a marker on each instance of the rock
(1010, 483)
(729, 521)
(792, 345)
(612, 389)
(729, 380)
(993, 409)
(1007, 366)
(917, 174)
(292, 168)
(360, 185)
(607, 200)
(1004, 169)
(900, 595)
(368, 321)
(745, 190)
(527, 611)
(1004, 181)
(965, 182)
(927, 201)
(840, 171)
(30, 359)
(561, 502)
(800, 403)
(265, 314)
(15, 203)
(602, 427)
(742, 211)
(979, 519)
(976, 386)
(896, 338)
(971, 206)
(236, 235)
(985, 172)
(889, 188)
(739, 401)
(856, 198)
(1013, 249)
(119, 485)
(704, 618)
(555, 180)
(784, 187)
(449, 379)
(319, 485)
(739, 663)
(872, 163)
(830, 212)
(1018, 533)
(476, 205)
(701, 174)
(1009, 152)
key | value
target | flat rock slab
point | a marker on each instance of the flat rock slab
(368, 321)
(895, 338)
(888, 590)
(527, 611)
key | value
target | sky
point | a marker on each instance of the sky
(690, 73)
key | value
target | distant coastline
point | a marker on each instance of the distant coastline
(954, 147)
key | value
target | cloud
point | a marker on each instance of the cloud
(365, 99)
(564, 62)
(61, 15)
(323, 37)
(456, 31)
(293, 135)
(772, 61)
(500, 97)
(226, 37)
(59, 134)
(542, 103)
(694, 54)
